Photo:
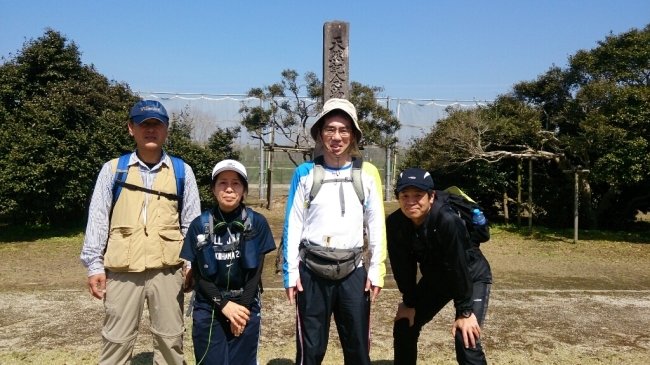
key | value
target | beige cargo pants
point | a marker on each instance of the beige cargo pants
(124, 302)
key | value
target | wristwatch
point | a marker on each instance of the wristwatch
(465, 313)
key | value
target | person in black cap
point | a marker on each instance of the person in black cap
(428, 232)
(133, 240)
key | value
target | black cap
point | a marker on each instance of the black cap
(418, 178)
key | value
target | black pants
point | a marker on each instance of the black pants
(214, 343)
(432, 297)
(349, 302)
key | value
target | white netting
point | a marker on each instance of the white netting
(417, 116)
(208, 112)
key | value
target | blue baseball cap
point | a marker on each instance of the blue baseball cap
(146, 109)
(418, 178)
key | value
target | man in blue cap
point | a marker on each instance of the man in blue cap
(428, 233)
(133, 239)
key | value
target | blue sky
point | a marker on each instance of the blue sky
(415, 49)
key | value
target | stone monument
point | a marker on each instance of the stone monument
(336, 60)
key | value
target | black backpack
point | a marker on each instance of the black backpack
(464, 206)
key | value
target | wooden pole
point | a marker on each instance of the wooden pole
(387, 175)
(387, 169)
(577, 171)
(269, 175)
(519, 192)
(530, 195)
(261, 186)
(576, 204)
(505, 207)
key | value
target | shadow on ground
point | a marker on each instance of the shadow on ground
(290, 362)
(640, 234)
(142, 358)
(280, 362)
(32, 232)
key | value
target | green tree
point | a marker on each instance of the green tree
(478, 149)
(594, 114)
(286, 115)
(201, 158)
(288, 112)
(599, 108)
(60, 121)
(377, 122)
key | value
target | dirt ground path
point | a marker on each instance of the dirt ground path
(552, 302)
(522, 327)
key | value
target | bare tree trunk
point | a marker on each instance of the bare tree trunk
(269, 197)
(505, 208)
(269, 183)
(604, 204)
(530, 194)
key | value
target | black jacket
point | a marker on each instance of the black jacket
(442, 247)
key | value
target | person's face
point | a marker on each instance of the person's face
(229, 190)
(337, 132)
(150, 134)
(415, 203)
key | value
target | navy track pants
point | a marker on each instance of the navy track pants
(350, 304)
(214, 343)
(432, 297)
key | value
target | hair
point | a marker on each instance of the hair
(134, 123)
(337, 112)
(429, 193)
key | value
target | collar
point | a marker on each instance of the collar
(346, 167)
(164, 159)
(230, 216)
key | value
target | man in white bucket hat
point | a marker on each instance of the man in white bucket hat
(331, 200)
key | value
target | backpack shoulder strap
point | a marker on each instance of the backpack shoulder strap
(357, 183)
(319, 179)
(247, 217)
(319, 176)
(436, 207)
(441, 195)
(208, 223)
(179, 173)
(121, 172)
(458, 205)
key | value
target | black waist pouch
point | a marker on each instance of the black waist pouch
(330, 263)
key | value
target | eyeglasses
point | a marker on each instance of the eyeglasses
(331, 131)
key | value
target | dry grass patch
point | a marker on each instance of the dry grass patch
(553, 302)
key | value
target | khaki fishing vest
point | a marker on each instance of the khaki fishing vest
(134, 246)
